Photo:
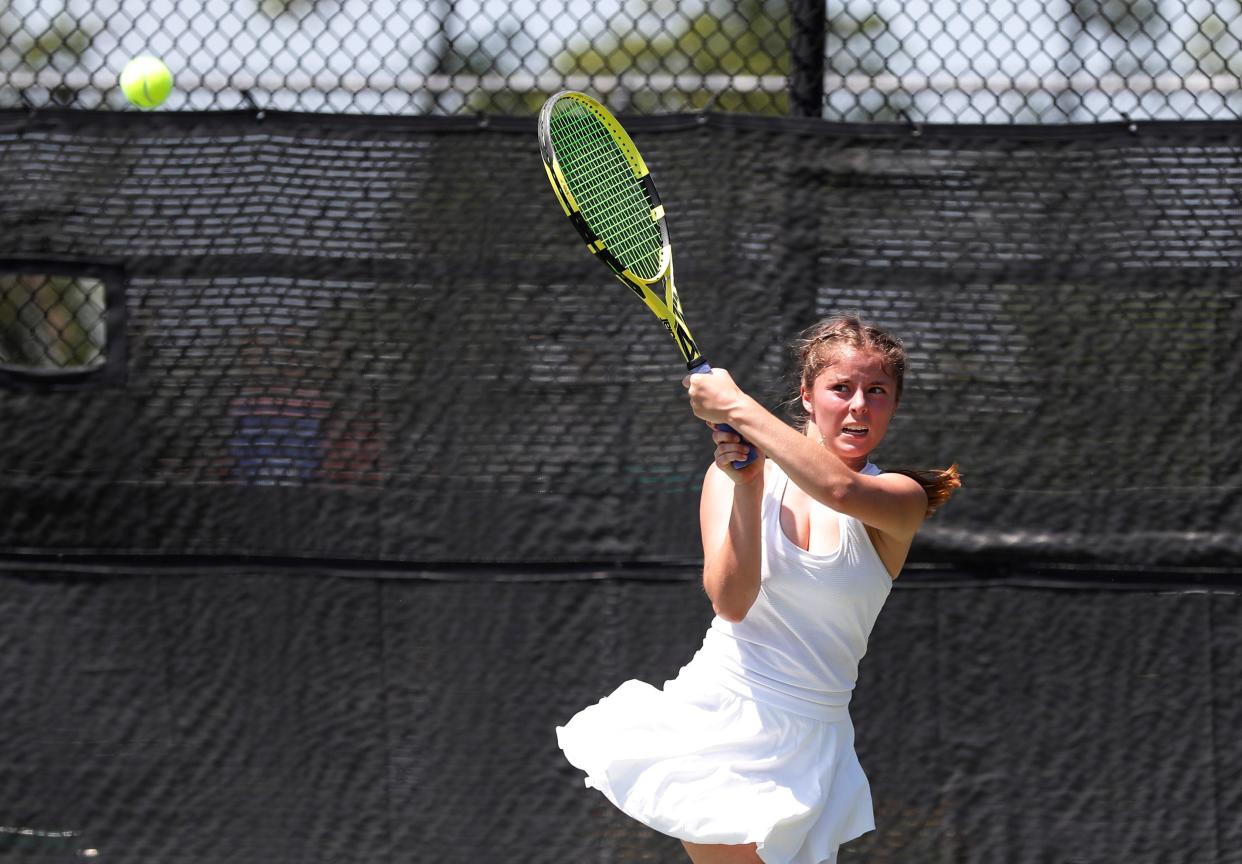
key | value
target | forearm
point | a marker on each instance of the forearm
(808, 465)
(732, 563)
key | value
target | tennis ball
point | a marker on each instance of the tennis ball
(146, 81)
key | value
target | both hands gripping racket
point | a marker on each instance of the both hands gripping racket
(607, 192)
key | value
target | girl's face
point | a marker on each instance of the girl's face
(850, 405)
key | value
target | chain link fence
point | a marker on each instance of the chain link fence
(934, 61)
(51, 323)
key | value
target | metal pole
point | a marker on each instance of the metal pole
(806, 53)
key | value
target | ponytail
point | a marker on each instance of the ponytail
(939, 485)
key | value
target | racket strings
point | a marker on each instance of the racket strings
(611, 198)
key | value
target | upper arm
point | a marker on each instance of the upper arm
(730, 521)
(892, 504)
(715, 508)
(716, 505)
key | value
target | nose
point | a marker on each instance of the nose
(858, 403)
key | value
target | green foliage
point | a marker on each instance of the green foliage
(737, 44)
(62, 44)
(1213, 49)
(277, 8)
(728, 56)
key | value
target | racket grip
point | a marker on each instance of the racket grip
(751, 453)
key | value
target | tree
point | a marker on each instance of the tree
(733, 57)
(60, 45)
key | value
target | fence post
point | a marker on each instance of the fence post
(806, 55)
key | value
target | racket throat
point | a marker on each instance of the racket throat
(685, 342)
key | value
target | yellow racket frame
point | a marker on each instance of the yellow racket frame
(664, 303)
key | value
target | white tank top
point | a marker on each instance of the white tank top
(800, 644)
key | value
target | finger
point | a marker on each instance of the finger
(728, 463)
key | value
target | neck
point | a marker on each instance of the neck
(856, 464)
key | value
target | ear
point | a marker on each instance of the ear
(806, 402)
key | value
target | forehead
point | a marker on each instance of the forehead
(849, 363)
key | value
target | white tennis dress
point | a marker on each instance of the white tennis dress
(752, 742)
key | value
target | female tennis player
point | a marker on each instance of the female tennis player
(748, 755)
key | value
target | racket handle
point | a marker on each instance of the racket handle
(751, 453)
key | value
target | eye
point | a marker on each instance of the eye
(878, 389)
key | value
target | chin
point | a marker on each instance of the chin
(853, 451)
(853, 447)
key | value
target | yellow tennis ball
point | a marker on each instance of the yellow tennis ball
(146, 81)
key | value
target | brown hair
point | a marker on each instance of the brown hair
(818, 348)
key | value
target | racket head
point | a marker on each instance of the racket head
(604, 186)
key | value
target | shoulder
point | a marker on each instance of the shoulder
(907, 497)
(903, 484)
(895, 478)
(898, 502)
(906, 490)
(714, 478)
(720, 491)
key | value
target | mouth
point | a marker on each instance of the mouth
(854, 431)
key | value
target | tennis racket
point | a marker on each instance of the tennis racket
(607, 192)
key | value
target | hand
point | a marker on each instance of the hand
(712, 394)
(730, 449)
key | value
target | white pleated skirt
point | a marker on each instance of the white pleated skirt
(701, 762)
